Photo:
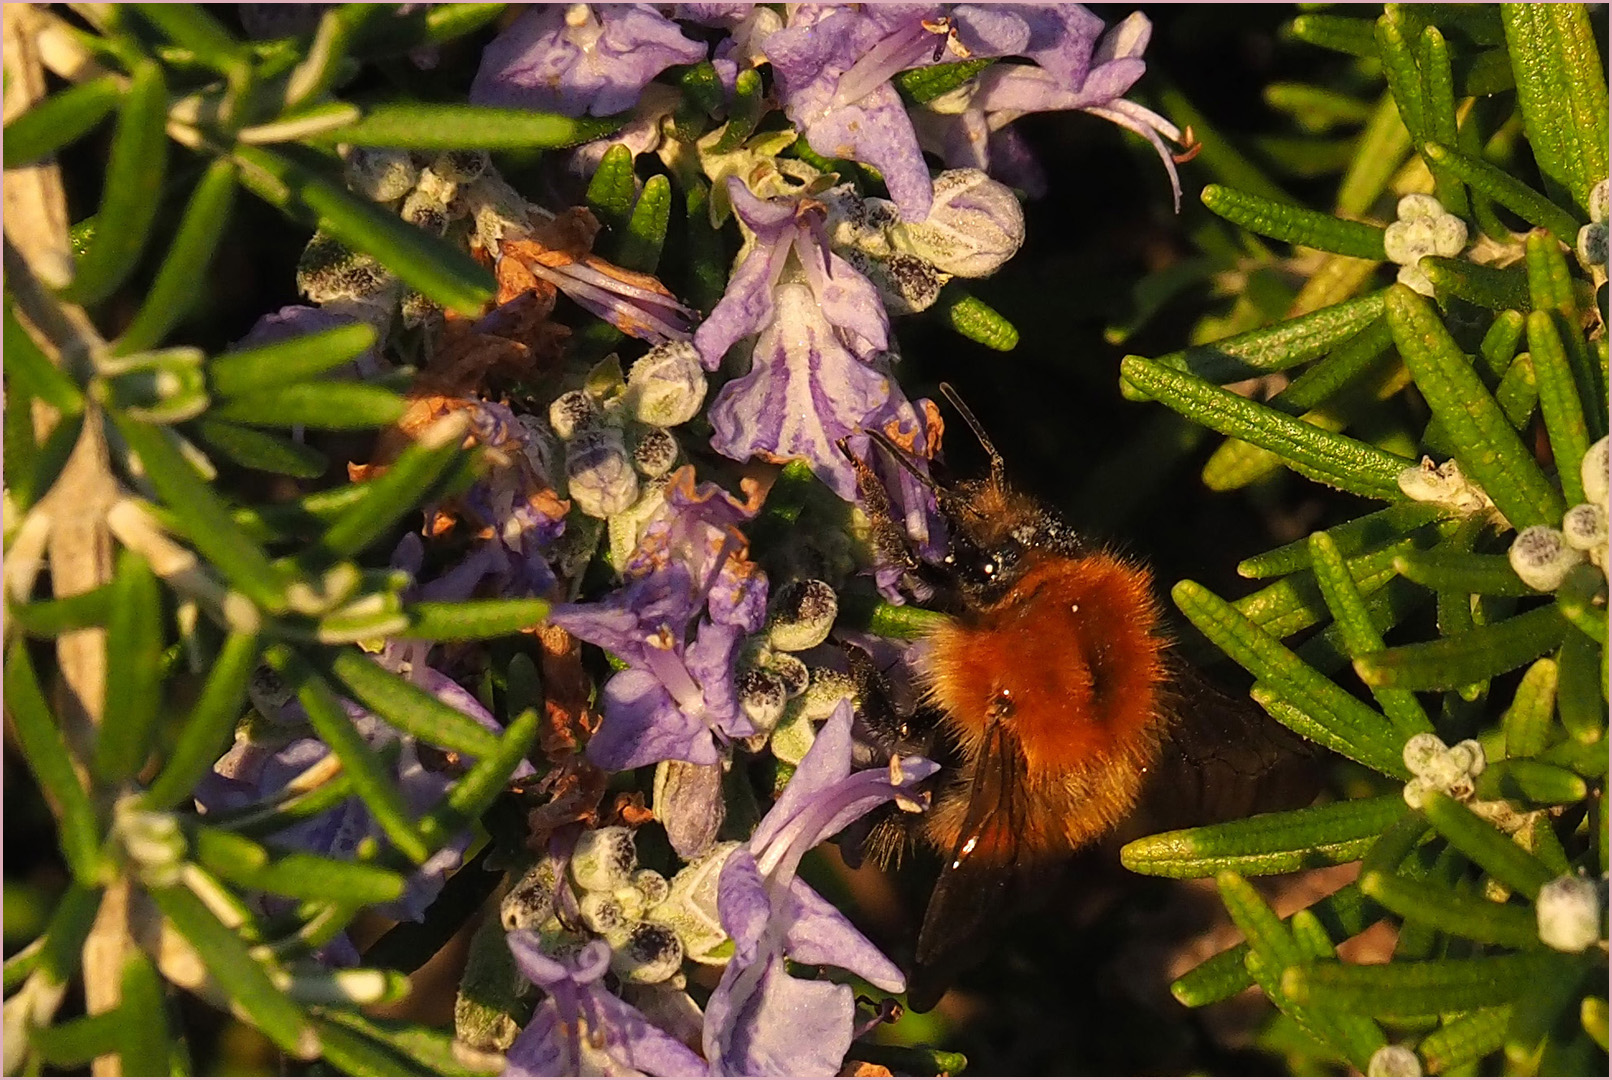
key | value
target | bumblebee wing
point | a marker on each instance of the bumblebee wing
(978, 879)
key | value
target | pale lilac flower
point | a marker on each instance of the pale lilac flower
(817, 370)
(1076, 71)
(697, 528)
(578, 59)
(582, 1029)
(761, 1020)
(834, 63)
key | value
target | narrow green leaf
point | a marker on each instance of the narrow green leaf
(612, 190)
(145, 1040)
(45, 751)
(1534, 782)
(1561, 90)
(1468, 1037)
(208, 730)
(1423, 988)
(190, 26)
(1316, 108)
(1274, 348)
(1379, 153)
(1463, 916)
(1492, 287)
(1345, 364)
(472, 620)
(296, 359)
(58, 120)
(407, 707)
(1526, 721)
(1536, 1018)
(1399, 66)
(1438, 115)
(1581, 692)
(1518, 392)
(79, 1040)
(330, 406)
(1353, 37)
(925, 84)
(646, 229)
(30, 371)
(1506, 190)
(1488, 448)
(444, 22)
(372, 781)
(1500, 342)
(1582, 602)
(708, 259)
(1593, 1015)
(261, 450)
(743, 112)
(427, 263)
(978, 321)
(177, 285)
(395, 492)
(1275, 843)
(431, 1048)
(53, 618)
(1365, 533)
(1346, 724)
(297, 874)
(238, 974)
(134, 644)
(1465, 658)
(56, 952)
(1462, 572)
(203, 515)
(702, 88)
(1294, 224)
(355, 1053)
(411, 126)
(1559, 404)
(131, 190)
(475, 792)
(47, 465)
(1323, 456)
(1485, 845)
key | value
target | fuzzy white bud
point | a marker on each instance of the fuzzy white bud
(1394, 1060)
(975, 224)
(599, 473)
(1423, 229)
(1584, 528)
(803, 613)
(1593, 472)
(1569, 911)
(379, 173)
(1542, 558)
(667, 386)
(604, 859)
(571, 412)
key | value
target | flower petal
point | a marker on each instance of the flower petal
(819, 934)
(643, 726)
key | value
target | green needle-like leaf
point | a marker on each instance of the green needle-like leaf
(144, 1042)
(1423, 988)
(407, 707)
(1488, 448)
(1460, 571)
(475, 792)
(131, 190)
(1534, 782)
(190, 26)
(978, 321)
(1506, 190)
(1344, 723)
(357, 1054)
(1485, 845)
(1295, 225)
(1365, 533)
(177, 286)
(203, 515)
(1581, 692)
(79, 1040)
(330, 406)
(1468, 1037)
(1398, 57)
(744, 111)
(1332, 459)
(1343, 366)
(1353, 37)
(261, 450)
(134, 644)
(1559, 403)
(925, 84)
(1360, 637)
(472, 620)
(1527, 722)
(1465, 658)
(238, 974)
(1487, 286)
(30, 372)
(372, 781)
(58, 120)
(298, 874)
(281, 363)
(1463, 916)
(1275, 843)
(395, 492)
(442, 272)
(410, 126)
(1561, 90)
(45, 751)
(646, 229)
(612, 190)
(53, 618)
(208, 729)
(1582, 602)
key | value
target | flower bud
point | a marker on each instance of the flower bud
(599, 473)
(687, 800)
(1422, 750)
(790, 671)
(803, 613)
(667, 385)
(1569, 911)
(655, 452)
(975, 224)
(379, 173)
(602, 913)
(906, 283)
(1423, 229)
(530, 902)
(1394, 1060)
(1584, 528)
(571, 412)
(460, 166)
(1541, 557)
(691, 909)
(1593, 472)
(651, 953)
(604, 859)
(858, 224)
(328, 270)
(652, 886)
(762, 697)
(425, 211)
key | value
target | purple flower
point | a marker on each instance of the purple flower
(1076, 71)
(761, 1020)
(582, 1029)
(834, 64)
(816, 371)
(578, 59)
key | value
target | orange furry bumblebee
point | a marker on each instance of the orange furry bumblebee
(1056, 694)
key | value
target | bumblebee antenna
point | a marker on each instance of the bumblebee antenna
(998, 466)
(902, 459)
